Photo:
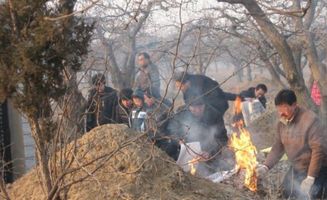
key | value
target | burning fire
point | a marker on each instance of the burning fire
(245, 151)
(192, 164)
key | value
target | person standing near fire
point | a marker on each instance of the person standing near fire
(147, 77)
(300, 135)
(192, 85)
(257, 92)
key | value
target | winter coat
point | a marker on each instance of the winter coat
(100, 107)
(148, 79)
(122, 115)
(138, 116)
(302, 141)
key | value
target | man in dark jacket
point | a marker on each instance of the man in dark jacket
(300, 135)
(147, 77)
(101, 103)
(257, 92)
(213, 96)
(190, 125)
(124, 107)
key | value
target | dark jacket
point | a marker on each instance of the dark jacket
(302, 141)
(213, 95)
(100, 107)
(148, 79)
(249, 93)
(122, 115)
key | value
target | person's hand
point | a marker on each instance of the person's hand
(261, 170)
(205, 155)
(307, 184)
(249, 99)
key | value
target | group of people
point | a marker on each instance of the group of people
(300, 134)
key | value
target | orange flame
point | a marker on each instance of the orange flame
(192, 163)
(245, 151)
(245, 156)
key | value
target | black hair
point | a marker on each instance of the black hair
(126, 94)
(145, 55)
(98, 78)
(182, 77)
(285, 96)
(262, 86)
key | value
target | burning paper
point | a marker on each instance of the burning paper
(222, 175)
(189, 156)
(251, 111)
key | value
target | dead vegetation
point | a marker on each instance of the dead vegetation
(113, 162)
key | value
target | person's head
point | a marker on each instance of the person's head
(260, 90)
(138, 98)
(125, 97)
(197, 108)
(181, 81)
(148, 98)
(286, 104)
(99, 82)
(196, 104)
(143, 59)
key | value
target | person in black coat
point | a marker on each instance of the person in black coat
(204, 86)
(257, 92)
(101, 103)
(190, 125)
(124, 107)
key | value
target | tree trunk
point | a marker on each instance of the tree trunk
(249, 73)
(279, 42)
(318, 71)
(42, 153)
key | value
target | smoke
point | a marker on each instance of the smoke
(188, 128)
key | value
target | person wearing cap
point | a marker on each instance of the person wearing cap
(101, 103)
(147, 77)
(300, 135)
(138, 113)
(124, 107)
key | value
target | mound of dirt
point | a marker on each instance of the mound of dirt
(113, 162)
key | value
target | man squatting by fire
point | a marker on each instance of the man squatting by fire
(301, 135)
